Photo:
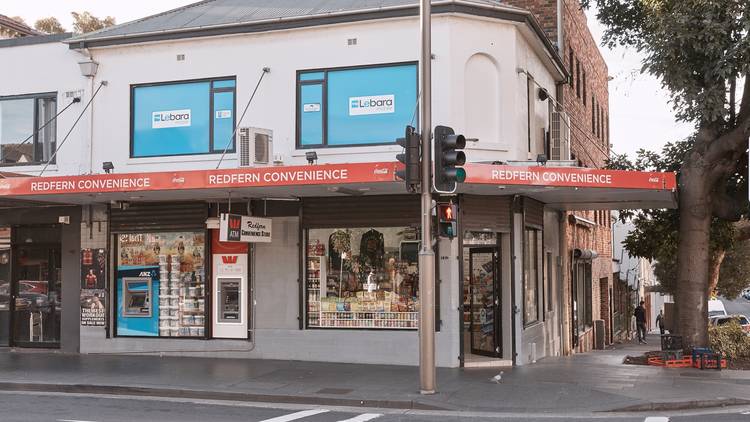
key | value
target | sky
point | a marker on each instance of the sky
(640, 114)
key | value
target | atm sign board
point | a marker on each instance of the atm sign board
(240, 228)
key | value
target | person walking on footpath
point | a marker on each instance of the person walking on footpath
(640, 322)
(660, 321)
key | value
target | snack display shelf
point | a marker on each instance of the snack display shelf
(368, 319)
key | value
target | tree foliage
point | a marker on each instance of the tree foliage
(655, 235)
(700, 51)
(49, 25)
(86, 22)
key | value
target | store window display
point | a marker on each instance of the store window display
(362, 278)
(160, 284)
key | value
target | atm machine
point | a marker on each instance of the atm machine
(138, 301)
(230, 290)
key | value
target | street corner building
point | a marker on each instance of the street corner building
(219, 181)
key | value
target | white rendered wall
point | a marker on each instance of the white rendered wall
(43, 68)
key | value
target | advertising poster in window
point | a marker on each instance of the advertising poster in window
(357, 106)
(93, 268)
(160, 285)
(182, 118)
(93, 308)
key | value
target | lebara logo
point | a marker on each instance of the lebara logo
(170, 118)
(372, 104)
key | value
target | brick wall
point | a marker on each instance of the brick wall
(586, 99)
(545, 12)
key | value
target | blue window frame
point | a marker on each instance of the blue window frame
(353, 106)
(182, 118)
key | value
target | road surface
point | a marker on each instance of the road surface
(57, 407)
(737, 306)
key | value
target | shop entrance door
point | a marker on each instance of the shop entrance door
(36, 296)
(484, 291)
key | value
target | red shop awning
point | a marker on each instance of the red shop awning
(564, 188)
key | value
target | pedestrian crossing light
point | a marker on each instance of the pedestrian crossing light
(447, 220)
(449, 159)
(410, 158)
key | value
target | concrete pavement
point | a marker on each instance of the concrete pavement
(581, 384)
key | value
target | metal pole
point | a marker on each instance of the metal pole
(426, 254)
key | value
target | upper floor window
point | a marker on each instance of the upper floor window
(366, 105)
(28, 130)
(182, 118)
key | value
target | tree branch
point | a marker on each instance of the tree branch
(727, 207)
(744, 113)
(742, 232)
(736, 139)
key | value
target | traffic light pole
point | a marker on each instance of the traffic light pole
(426, 254)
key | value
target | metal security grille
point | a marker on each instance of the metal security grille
(533, 212)
(480, 213)
(366, 211)
(146, 217)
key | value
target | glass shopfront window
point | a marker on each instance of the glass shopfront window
(161, 284)
(362, 278)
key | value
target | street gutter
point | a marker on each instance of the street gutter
(212, 395)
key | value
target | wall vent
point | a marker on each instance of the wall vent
(560, 136)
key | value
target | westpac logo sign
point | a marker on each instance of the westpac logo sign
(170, 118)
(229, 259)
(372, 104)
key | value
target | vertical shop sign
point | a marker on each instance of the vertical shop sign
(93, 309)
(93, 268)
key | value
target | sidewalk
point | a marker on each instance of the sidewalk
(581, 384)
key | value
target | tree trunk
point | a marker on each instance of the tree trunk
(715, 271)
(694, 256)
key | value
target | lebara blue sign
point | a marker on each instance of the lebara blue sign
(360, 106)
(176, 118)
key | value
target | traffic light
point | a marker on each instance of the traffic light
(447, 220)
(448, 159)
(411, 174)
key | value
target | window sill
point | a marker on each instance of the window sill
(181, 159)
(328, 151)
(27, 168)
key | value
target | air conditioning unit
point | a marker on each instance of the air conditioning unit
(254, 146)
(560, 136)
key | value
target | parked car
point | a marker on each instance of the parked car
(746, 294)
(716, 308)
(721, 320)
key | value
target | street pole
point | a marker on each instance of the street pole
(426, 253)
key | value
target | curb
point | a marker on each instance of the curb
(684, 405)
(213, 395)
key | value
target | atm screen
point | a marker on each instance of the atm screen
(136, 297)
(229, 307)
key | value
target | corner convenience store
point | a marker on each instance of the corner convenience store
(338, 281)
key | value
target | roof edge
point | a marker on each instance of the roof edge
(498, 11)
(35, 39)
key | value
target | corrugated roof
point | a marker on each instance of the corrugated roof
(214, 13)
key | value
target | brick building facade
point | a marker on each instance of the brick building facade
(585, 98)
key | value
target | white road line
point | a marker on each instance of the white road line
(72, 420)
(363, 417)
(295, 416)
(657, 419)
